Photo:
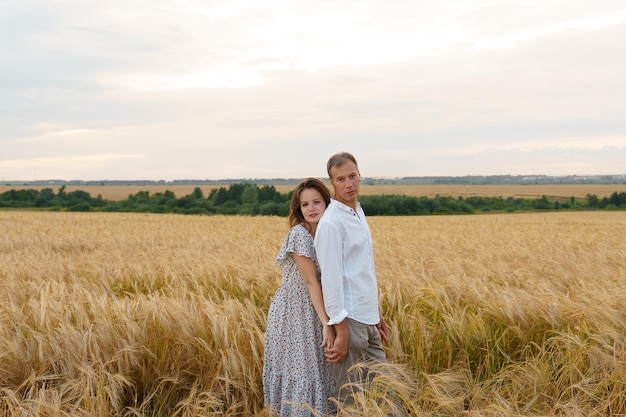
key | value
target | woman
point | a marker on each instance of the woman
(296, 376)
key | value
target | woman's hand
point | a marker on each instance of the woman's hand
(328, 335)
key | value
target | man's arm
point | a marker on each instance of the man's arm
(329, 247)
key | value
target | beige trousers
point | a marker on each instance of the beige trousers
(365, 349)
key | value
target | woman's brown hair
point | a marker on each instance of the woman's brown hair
(295, 213)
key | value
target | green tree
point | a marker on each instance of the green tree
(542, 203)
(220, 196)
(45, 198)
(269, 208)
(592, 200)
(617, 199)
(250, 195)
(269, 193)
(197, 193)
(235, 191)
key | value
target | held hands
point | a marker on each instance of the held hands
(339, 349)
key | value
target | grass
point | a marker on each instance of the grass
(107, 314)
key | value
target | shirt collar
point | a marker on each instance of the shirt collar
(343, 206)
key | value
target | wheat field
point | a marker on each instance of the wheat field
(105, 314)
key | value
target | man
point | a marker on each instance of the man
(343, 244)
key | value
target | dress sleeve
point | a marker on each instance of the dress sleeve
(298, 241)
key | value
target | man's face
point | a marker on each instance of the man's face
(345, 180)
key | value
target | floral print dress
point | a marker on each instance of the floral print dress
(295, 372)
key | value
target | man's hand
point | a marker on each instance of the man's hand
(383, 329)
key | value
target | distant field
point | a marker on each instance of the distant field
(523, 191)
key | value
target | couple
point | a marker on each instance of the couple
(317, 329)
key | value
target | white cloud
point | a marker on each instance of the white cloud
(59, 167)
(271, 88)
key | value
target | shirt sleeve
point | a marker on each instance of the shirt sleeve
(328, 247)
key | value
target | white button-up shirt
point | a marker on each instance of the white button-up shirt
(343, 244)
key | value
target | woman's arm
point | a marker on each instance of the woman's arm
(309, 273)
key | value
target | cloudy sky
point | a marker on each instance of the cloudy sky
(178, 89)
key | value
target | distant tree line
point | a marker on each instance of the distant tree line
(251, 199)
(465, 179)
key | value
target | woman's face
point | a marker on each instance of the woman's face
(312, 205)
